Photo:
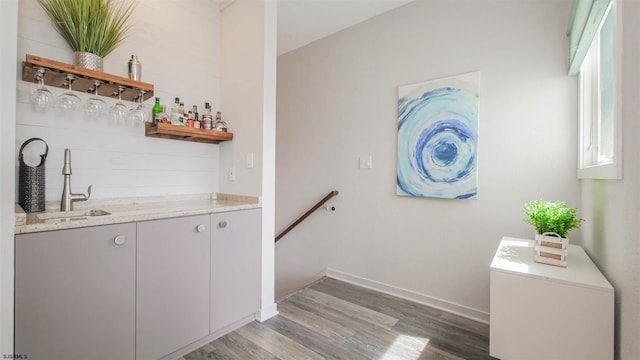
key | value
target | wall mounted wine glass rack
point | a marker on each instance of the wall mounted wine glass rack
(55, 75)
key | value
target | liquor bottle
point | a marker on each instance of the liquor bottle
(196, 120)
(175, 116)
(194, 111)
(190, 118)
(156, 109)
(220, 124)
(162, 116)
(207, 118)
(183, 113)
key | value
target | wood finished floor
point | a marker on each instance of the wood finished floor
(335, 320)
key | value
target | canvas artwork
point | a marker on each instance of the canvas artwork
(438, 138)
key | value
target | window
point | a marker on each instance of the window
(600, 140)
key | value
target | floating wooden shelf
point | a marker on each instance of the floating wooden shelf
(56, 76)
(185, 133)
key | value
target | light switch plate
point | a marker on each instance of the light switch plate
(250, 160)
(366, 162)
(232, 173)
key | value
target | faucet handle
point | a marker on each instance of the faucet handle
(89, 192)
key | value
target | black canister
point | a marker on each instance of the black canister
(31, 181)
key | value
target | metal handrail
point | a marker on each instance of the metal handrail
(306, 215)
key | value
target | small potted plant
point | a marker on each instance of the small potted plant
(551, 217)
(552, 222)
(92, 28)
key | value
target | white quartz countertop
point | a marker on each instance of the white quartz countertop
(125, 210)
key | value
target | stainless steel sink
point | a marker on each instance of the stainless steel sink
(96, 213)
(71, 215)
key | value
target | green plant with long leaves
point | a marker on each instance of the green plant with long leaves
(547, 216)
(95, 26)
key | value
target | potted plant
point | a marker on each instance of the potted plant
(552, 221)
(92, 28)
(551, 217)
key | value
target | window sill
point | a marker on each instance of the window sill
(612, 171)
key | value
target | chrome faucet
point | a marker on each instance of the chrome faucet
(67, 197)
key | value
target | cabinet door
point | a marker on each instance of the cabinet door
(172, 306)
(75, 293)
(235, 266)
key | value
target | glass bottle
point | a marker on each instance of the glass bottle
(196, 120)
(175, 117)
(183, 113)
(156, 109)
(190, 118)
(194, 113)
(220, 125)
(162, 117)
(207, 118)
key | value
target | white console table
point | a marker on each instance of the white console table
(540, 311)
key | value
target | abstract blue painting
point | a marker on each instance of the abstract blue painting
(438, 138)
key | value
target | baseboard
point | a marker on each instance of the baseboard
(209, 338)
(309, 281)
(411, 295)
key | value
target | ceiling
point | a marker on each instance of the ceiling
(301, 22)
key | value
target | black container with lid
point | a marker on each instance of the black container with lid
(31, 181)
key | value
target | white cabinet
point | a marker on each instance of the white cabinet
(235, 266)
(75, 293)
(540, 311)
(172, 307)
(139, 291)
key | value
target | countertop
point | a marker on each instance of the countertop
(516, 256)
(123, 210)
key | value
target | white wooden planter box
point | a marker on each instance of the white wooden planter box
(551, 249)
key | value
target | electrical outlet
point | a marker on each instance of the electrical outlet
(232, 173)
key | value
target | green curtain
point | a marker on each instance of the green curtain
(585, 22)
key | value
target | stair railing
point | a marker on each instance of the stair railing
(306, 215)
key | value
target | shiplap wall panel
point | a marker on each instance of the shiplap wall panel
(178, 43)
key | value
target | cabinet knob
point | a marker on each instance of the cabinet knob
(200, 228)
(120, 239)
(222, 224)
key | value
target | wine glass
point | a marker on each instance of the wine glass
(68, 100)
(41, 95)
(139, 114)
(94, 104)
(119, 109)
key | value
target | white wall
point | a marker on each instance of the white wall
(612, 207)
(337, 100)
(178, 43)
(248, 83)
(8, 66)
(242, 83)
